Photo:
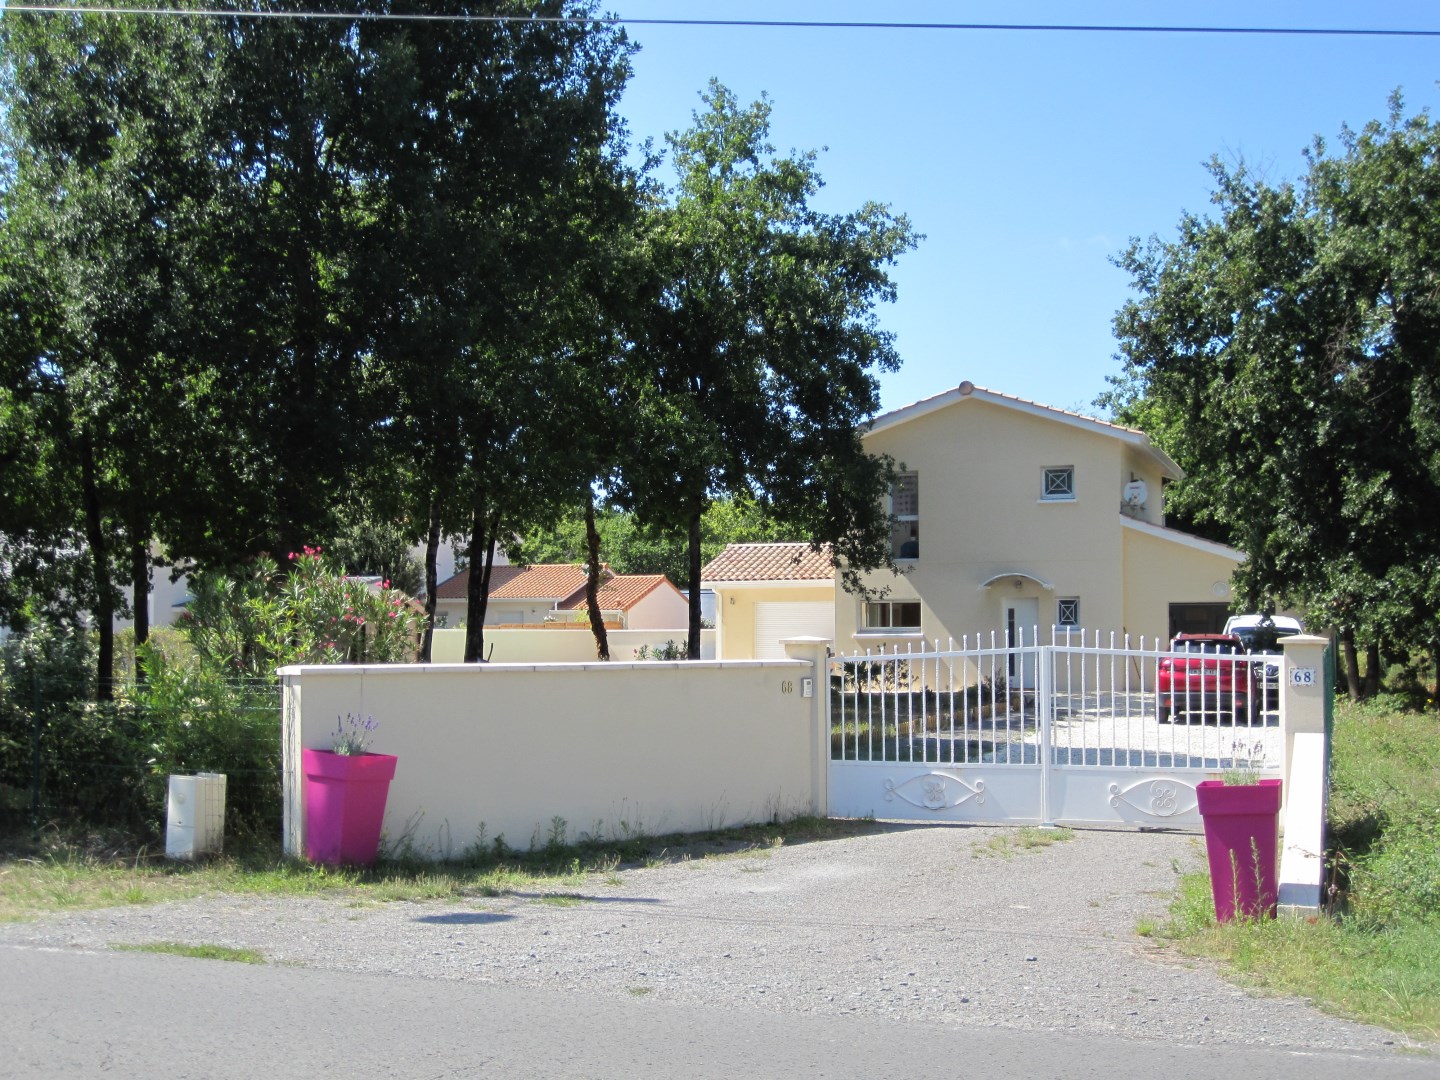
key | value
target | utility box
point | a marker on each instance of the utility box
(195, 816)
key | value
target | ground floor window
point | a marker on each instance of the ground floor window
(1067, 611)
(892, 615)
(1198, 618)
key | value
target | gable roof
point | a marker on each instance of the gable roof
(621, 593)
(542, 581)
(968, 391)
(770, 562)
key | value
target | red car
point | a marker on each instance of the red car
(1209, 675)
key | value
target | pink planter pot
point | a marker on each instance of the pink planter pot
(1242, 842)
(345, 805)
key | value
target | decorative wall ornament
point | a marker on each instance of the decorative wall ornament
(935, 791)
(1161, 798)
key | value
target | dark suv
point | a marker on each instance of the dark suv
(1206, 675)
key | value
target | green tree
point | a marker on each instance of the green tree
(756, 371)
(108, 188)
(489, 238)
(1289, 347)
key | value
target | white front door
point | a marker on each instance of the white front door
(1022, 617)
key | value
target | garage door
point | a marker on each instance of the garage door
(774, 622)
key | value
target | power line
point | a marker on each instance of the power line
(799, 24)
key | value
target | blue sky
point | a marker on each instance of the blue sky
(1028, 159)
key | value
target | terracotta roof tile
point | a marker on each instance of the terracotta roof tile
(770, 562)
(455, 588)
(620, 593)
(543, 581)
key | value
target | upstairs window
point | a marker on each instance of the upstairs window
(1058, 484)
(905, 508)
(892, 615)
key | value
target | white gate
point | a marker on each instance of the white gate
(951, 735)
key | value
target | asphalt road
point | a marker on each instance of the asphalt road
(81, 1013)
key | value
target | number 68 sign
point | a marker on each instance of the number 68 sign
(1302, 676)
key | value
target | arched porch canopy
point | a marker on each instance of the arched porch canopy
(1008, 574)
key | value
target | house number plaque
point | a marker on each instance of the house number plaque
(1302, 676)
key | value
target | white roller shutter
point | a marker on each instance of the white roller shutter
(774, 622)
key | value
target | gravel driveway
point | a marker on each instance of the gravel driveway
(913, 923)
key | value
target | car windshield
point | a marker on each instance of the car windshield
(1262, 638)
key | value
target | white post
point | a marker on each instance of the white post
(816, 651)
(1044, 712)
(292, 777)
(1302, 726)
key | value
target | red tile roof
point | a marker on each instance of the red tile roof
(543, 581)
(621, 593)
(770, 562)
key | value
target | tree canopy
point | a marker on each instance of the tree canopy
(1286, 352)
(757, 369)
(276, 283)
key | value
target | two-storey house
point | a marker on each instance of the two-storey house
(1013, 517)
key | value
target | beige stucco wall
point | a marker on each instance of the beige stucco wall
(659, 609)
(610, 748)
(577, 646)
(1162, 572)
(735, 611)
(981, 514)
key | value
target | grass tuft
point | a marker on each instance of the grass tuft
(1006, 843)
(199, 952)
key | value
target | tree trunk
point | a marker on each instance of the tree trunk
(693, 642)
(1352, 662)
(432, 554)
(140, 592)
(475, 591)
(1372, 670)
(592, 580)
(483, 533)
(100, 571)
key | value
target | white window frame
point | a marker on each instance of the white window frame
(1050, 490)
(890, 628)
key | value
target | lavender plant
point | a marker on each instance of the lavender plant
(352, 734)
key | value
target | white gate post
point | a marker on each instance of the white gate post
(1302, 726)
(816, 651)
(1044, 710)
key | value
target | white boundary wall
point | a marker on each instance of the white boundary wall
(613, 749)
(541, 646)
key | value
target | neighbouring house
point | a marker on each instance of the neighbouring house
(766, 593)
(1013, 517)
(519, 595)
(553, 594)
(633, 602)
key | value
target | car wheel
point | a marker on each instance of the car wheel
(1164, 715)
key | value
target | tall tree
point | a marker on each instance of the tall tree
(484, 232)
(757, 370)
(1291, 343)
(108, 189)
